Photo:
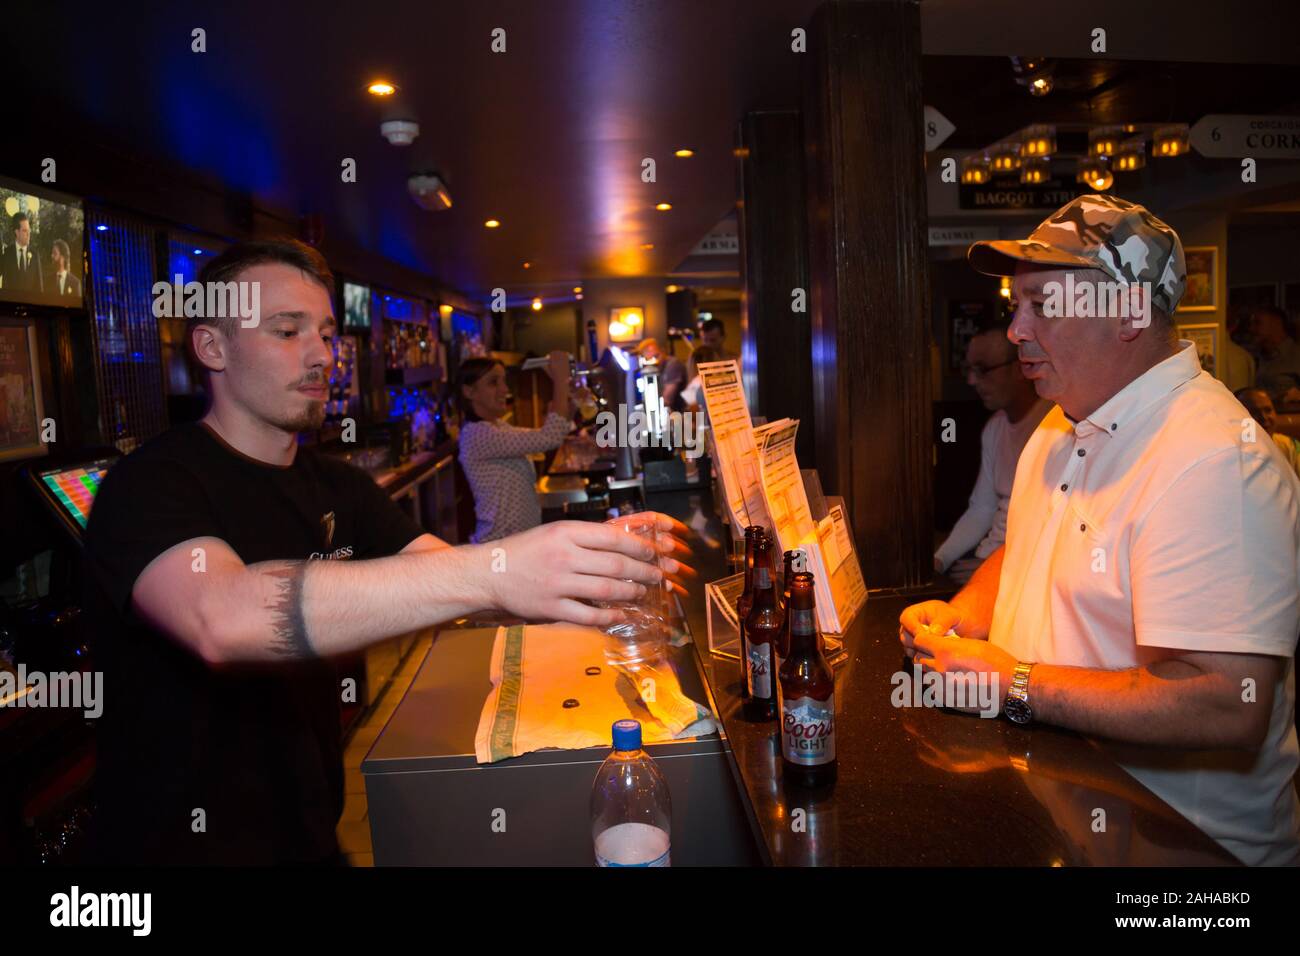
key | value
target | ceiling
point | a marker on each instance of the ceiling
(547, 137)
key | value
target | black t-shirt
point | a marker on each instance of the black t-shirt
(256, 747)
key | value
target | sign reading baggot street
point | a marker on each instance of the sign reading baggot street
(1224, 135)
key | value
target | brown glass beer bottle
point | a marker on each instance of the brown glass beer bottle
(752, 535)
(807, 695)
(762, 631)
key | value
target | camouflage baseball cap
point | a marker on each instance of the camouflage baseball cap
(1102, 232)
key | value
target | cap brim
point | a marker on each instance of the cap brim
(998, 257)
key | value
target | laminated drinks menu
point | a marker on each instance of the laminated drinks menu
(734, 451)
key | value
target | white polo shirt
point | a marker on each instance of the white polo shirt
(1155, 522)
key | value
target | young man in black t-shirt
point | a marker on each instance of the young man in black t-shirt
(226, 565)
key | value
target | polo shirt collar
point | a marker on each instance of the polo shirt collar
(1145, 390)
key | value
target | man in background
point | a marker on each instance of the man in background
(1238, 363)
(63, 283)
(672, 373)
(1278, 372)
(713, 334)
(1260, 405)
(991, 368)
(20, 271)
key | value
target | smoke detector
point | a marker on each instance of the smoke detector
(429, 192)
(400, 132)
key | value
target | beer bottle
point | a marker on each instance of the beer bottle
(762, 631)
(752, 534)
(806, 686)
(783, 646)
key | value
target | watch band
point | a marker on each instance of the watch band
(1016, 705)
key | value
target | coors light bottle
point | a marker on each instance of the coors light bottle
(807, 695)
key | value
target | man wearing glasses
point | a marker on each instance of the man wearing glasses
(992, 370)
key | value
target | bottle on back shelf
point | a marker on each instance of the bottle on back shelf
(631, 813)
(762, 632)
(807, 691)
(752, 535)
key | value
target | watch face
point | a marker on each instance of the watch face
(1017, 711)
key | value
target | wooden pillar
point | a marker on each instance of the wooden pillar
(774, 266)
(866, 220)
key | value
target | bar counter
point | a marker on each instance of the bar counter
(921, 785)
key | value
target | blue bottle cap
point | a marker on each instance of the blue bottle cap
(627, 735)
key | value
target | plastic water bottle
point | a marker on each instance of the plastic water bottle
(631, 812)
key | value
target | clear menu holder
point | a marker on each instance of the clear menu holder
(720, 599)
(833, 644)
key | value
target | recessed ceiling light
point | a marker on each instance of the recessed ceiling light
(577, 289)
(647, 245)
(684, 153)
(381, 88)
(664, 206)
(492, 223)
(528, 265)
(537, 305)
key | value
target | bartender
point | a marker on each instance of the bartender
(494, 454)
(1147, 593)
(227, 566)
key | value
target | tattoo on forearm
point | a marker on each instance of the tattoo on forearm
(288, 619)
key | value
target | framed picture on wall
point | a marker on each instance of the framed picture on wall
(1202, 293)
(21, 411)
(1206, 337)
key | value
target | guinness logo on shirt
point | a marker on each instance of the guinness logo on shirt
(327, 522)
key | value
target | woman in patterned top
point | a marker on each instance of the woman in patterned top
(493, 453)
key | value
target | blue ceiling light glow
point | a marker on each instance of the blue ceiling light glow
(101, 228)
(198, 252)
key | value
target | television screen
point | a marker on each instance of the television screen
(41, 235)
(75, 488)
(356, 306)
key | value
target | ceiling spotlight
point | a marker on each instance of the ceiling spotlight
(1095, 173)
(381, 88)
(537, 305)
(671, 289)
(684, 153)
(663, 206)
(1035, 73)
(429, 192)
(492, 223)
(577, 289)
(647, 245)
(528, 265)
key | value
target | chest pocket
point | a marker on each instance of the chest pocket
(1087, 558)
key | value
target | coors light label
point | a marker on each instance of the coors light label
(808, 731)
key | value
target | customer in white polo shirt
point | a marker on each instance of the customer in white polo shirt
(1148, 593)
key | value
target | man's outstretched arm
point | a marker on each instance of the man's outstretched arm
(277, 610)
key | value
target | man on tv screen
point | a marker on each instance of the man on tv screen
(20, 270)
(63, 283)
